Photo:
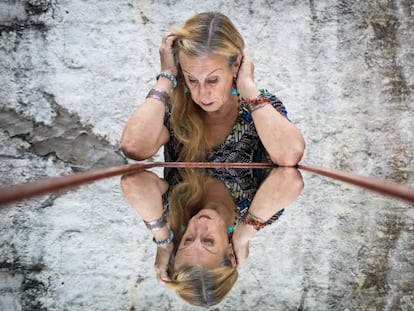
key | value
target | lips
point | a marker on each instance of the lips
(204, 216)
(207, 104)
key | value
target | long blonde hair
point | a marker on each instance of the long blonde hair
(203, 34)
(203, 287)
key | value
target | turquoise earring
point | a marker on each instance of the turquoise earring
(234, 90)
(230, 231)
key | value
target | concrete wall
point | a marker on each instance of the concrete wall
(71, 72)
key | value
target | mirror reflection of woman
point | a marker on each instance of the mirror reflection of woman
(214, 220)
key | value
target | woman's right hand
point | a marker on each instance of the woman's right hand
(162, 260)
(167, 58)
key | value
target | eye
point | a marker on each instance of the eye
(192, 81)
(208, 241)
(212, 81)
(188, 240)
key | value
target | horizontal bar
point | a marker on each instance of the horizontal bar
(31, 189)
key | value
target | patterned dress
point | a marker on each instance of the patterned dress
(241, 145)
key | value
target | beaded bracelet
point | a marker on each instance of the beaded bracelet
(256, 103)
(254, 221)
(160, 95)
(165, 242)
(169, 76)
(156, 224)
(254, 107)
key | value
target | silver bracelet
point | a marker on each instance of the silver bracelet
(160, 95)
(156, 224)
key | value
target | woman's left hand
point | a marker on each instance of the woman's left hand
(245, 78)
(162, 260)
(241, 237)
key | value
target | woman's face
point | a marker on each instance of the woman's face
(209, 80)
(204, 242)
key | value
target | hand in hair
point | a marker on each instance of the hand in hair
(162, 260)
(241, 237)
(245, 78)
(168, 62)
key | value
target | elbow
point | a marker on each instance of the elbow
(291, 159)
(290, 156)
(134, 150)
(129, 150)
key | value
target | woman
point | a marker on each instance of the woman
(205, 105)
(209, 220)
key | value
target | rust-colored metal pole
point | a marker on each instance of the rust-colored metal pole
(374, 184)
(10, 194)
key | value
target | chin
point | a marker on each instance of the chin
(208, 209)
(209, 108)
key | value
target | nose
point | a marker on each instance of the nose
(203, 94)
(201, 225)
(202, 220)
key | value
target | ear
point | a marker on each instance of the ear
(236, 65)
(232, 255)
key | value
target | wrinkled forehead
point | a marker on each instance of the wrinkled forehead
(197, 257)
(207, 63)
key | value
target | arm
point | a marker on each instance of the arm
(280, 189)
(282, 139)
(144, 192)
(144, 132)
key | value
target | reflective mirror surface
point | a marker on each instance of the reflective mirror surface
(336, 245)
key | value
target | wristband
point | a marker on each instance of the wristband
(157, 224)
(165, 242)
(254, 221)
(160, 95)
(169, 77)
(257, 102)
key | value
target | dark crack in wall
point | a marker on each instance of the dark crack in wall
(66, 139)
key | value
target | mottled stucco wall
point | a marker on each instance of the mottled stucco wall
(71, 72)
